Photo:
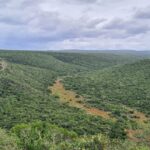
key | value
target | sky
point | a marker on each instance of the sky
(75, 24)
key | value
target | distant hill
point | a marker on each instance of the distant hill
(131, 52)
(94, 61)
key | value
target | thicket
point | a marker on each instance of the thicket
(32, 118)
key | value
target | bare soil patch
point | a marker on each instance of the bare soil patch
(74, 100)
(132, 135)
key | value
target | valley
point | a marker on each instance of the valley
(74, 100)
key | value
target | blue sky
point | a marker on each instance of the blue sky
(75, 24)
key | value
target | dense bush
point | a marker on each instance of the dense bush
(128, 84)
(39, 136)
(37, 120)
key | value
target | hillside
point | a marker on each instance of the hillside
(94, 61)
(64, 62)
(39, 112)
(128, 84)
(40, 60)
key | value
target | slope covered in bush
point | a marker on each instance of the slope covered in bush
(33, 118)
(128, 84)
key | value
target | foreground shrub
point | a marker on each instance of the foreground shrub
(7, 142)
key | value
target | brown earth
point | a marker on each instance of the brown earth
(137, 116)
(141, 119)
(133, 133)
(74, 100)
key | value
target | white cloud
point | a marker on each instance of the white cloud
(75, 24)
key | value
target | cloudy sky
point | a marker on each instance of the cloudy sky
(75, 24)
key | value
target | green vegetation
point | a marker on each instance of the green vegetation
(41, 135)
(128, 84)
(93, 61)
(31, 118)
(8, 141)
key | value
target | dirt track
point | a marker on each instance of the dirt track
(73, 100)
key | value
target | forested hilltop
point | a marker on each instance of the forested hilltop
(74, 101)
